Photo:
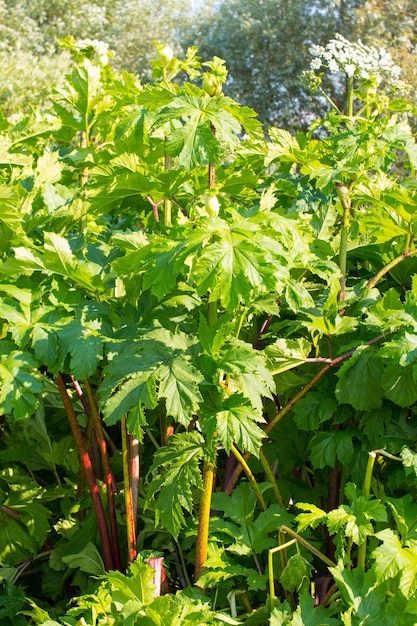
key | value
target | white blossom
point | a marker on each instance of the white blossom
(354, 59)
(315, 64)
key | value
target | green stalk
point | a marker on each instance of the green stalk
(271, 575)
(204, 519)
(350, 96)
(211, 313)
(285, 530)
(343, 193)
(250, 477)
(130, 519)
(134, 472)
(84, 143)
(88, 469)
(271, 478)
(367, 491)
(167, 201)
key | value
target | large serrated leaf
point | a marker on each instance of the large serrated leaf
(178, 474)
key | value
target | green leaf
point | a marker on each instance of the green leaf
(294, 573)
(361, 593)
(153, 368)
(309, 615)
(353, 521)
(247, 373)
(15, 542)
(281, 615)
(399, 384)
(88, 560)
(311, 519)
(327, 445)
(403, 349)
(19, 385)
(236, 265)
(297, 296)
(288, 353)
(236, 422)
(178, 384)
(314, 409)
(360, 381)
(239, 506)
(178, 476)
(404, 511)
(392, 558)
(137, 584)
(181, 608)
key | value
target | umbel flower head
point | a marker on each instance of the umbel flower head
(354, 59)
(93, 49)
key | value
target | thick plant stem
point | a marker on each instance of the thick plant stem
(211, 313)
(108, 475)
(167, 201)
(250, 477)
(88, 469)
(204, 519)
(134, 472)
(130, 519)
(212, 167)
(366, 492)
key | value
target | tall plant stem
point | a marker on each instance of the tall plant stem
(343, 193)
(88, 469)
(350, 96)
(130, 520)
(167, 201)
(84, 143)
(134, 472)
(204, 519)
(108, 474)
(211, 313)
(250, 477)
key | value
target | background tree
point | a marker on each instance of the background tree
(267, 45)
(394, 26)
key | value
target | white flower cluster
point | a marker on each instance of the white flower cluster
(94, 47)
(353, 58)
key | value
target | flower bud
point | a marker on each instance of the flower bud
(212, 205)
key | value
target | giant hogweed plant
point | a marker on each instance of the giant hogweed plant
(207, 353)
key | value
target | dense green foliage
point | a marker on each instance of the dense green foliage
(182, 298)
